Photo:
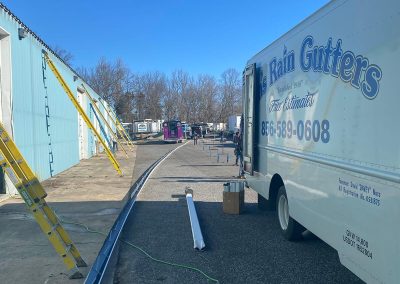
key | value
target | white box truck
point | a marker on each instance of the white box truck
(141, 127)
(321, 110)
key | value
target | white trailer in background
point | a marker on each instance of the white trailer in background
(147, 126)
(321, 132)
(155, 126)
(219, 126)
(233, 123)
(141, 127)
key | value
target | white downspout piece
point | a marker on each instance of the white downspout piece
(194, 222)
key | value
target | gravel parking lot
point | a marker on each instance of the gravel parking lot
(246, 248)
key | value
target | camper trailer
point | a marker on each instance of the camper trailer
(319, 135)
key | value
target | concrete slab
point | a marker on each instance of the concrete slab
(91, 193)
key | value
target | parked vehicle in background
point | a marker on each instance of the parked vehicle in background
(219, 126)
(187, 130)
(146, 127)
(128, 128)
(205, 129)
(320, 127)
(141, 127)
(197, 129)
(155, 126)
(172, 131)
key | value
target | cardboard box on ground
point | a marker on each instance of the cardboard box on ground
(233, 200)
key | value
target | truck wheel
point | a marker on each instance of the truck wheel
(290, 228)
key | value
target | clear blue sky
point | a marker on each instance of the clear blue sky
(200, 37)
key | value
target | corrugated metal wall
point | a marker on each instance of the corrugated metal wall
(50, 146)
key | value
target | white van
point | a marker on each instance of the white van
(321, 110)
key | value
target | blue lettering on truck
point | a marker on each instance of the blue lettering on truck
(315, 130)
(330, 59)
(281, 66)
(343, 65)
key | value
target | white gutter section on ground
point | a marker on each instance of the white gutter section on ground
(194, 222)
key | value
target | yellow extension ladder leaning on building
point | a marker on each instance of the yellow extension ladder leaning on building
(118, 126)
(93, 102)
(33, 194)
(81, 111)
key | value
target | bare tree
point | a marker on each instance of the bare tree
(124, 107)
(138, 96)
(150, 89)
(169, 102)
(65, 55)
(154, 95)
(84, 73)
(108, 79)
(230, 94)
(113, 82)
(207, 90)
(181, 88)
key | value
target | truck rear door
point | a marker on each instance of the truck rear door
(248, 125)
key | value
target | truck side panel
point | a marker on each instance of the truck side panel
(327, 125)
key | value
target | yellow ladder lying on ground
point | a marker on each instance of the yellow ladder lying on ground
(122, 132)
(33, 194)
(104, 119)
(81, 111)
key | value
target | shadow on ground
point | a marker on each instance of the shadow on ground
(246, 248)
(227, 145)
(151, 142)
(196, 179)
(25, 247)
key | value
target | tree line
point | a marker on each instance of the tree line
(156, 95)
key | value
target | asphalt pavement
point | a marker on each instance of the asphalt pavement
(246, 248)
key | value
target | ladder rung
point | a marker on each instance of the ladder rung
(54, 228)
(38, 207)
(68, 248)
(31, 183)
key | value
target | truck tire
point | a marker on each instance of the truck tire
(290, 228)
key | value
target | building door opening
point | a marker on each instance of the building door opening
(82, 128)
(2, 182)
(6, 185)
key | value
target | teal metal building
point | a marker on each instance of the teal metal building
(35, 110)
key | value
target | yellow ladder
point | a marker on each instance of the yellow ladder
(81, 111)
(122, 132)
(104, 119)
(33, 194)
